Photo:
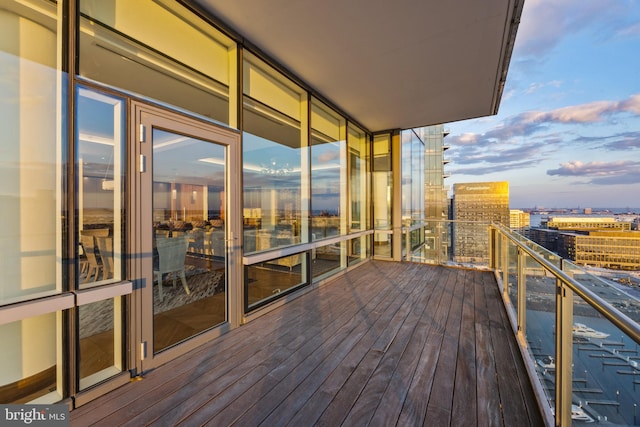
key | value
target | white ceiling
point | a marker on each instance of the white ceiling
(387, 64)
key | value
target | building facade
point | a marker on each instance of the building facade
(617, 250)
(585, 223)
(474, 206)
(164, 181)
(520, 221)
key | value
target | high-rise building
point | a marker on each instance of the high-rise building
(520, 221)
(475, 205)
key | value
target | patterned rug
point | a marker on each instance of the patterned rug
(201, 283)
(97, 317)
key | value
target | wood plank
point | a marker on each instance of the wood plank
(415, 406)
(307, 399)
(465, 401)
(244, 378)
(216, 359)
(509, 386)
(384, 344)
(394, 398)
(216, 414)
(489, 411)
(440, 402)
(374, 390)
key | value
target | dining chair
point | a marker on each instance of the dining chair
(94, 266)
(172, 253)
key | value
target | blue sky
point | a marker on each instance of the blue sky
(568, 130)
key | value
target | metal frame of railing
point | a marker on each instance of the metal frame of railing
(566, 287)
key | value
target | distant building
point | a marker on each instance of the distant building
(588, 211)
(475, 205)
(605, 249)
(519, 221)
(585, 223)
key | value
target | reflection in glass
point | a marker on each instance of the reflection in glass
(272, 154)
(328, 173)
(269, 280)
(359, 159)
(119, 48)
(29, 371)
(100, 162)
(382, 191)
(413, 189)
(101, 341)
(189, 255)
(328, 260)
(31, 156)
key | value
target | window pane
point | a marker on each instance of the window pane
(273, 154)
(269, 280)
(189, 253)
(359, 159)
(31, 165)
(101, 341)
(146, 54)
(29, 371)
(382, 182)
(100, 161)
(328, 173)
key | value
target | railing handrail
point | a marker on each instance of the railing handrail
(615, 316)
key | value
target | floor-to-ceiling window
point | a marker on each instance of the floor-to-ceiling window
(328, 186)
(32, 156)
(413, 187)
(359, 156)
(275, 177)
(382, 195)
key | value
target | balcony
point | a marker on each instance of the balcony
(384, 344)
(578, 333)
(503, 334)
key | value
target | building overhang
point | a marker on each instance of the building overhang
(387, 65)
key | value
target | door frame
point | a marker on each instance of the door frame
(143, 116)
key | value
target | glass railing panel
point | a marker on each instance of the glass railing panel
(606, 370)
(511, 258)
(540, 322)
(470, 243)
(601, 282)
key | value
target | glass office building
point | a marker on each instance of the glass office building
(155, 196)
(474, 206)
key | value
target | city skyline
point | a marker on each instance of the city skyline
(568, 130)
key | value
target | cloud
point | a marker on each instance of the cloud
(601, 173)
(501, 155)
(546, 23)
(484, 170)
(632, 30)
(624, 141)
(534, 87)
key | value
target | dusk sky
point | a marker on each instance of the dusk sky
(568, 130)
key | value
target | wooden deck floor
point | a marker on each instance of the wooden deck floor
(386, 344)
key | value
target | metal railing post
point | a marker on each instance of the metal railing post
(522, 295)
(564, 353)
(505, 266)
